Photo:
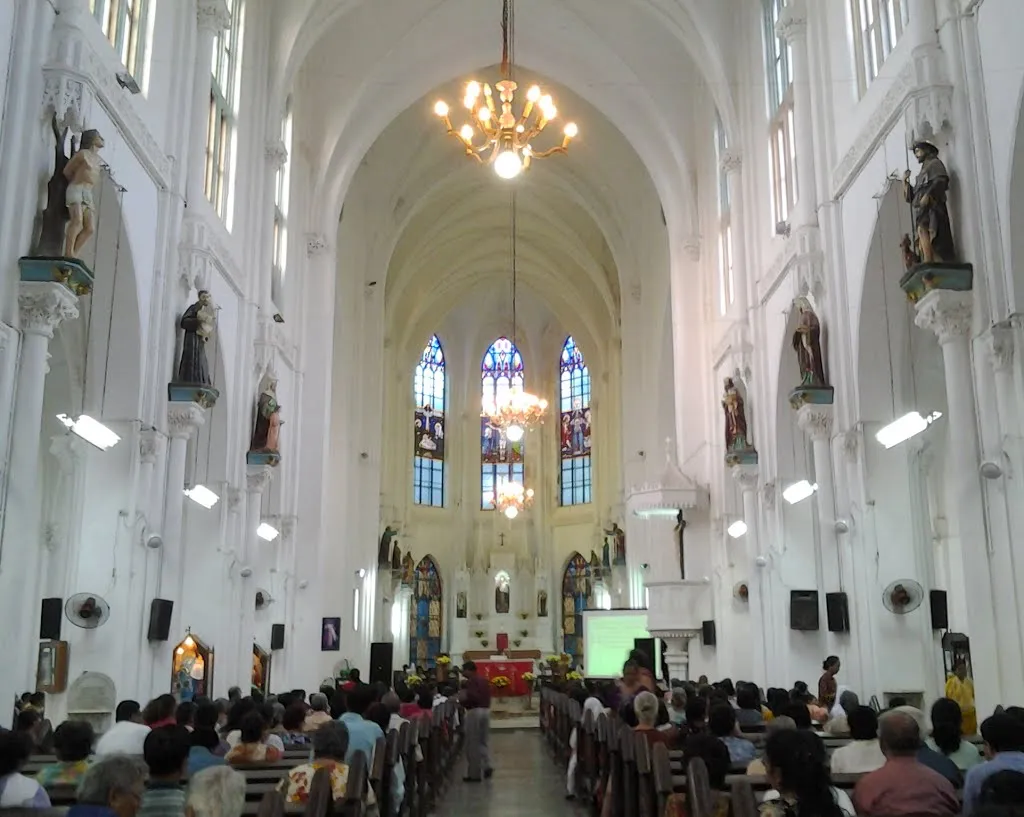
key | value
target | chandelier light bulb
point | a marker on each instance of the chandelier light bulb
(508, 165)
(484, 114)
(466, 132)
(571, 130)
(511, 512)
(533, 94)
(473, 89)
(441, 108)
(514, 433)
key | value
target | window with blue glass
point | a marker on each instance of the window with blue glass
(574, 408)
(428, 452)
(576, 590)
(425, 614)
(500, 459)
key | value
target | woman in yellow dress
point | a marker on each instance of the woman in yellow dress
(960, 688)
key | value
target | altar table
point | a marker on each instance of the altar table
(513, 670)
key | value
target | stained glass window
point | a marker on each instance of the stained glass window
(574, 380)
(576, 590)
(425, 614)
(428, 451)
(500, 459)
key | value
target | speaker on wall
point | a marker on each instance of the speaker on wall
(160, 619)
(277, 636)
(708, 633)
(381, 659)
(50, 614)
(837, 606)
(940, 615)
(803, 610)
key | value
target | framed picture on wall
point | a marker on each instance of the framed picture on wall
(52, 667)
(330, 634)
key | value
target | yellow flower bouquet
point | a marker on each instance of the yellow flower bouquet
(444, 660)
(553, 659)
(500, 682)
(574, 676)
(529, 677)
(414, 680)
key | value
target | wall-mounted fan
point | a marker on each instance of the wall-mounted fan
(903, 596)
(86, 610)
(741, 591)
(263, 599)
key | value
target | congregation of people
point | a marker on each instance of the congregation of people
(793, 745)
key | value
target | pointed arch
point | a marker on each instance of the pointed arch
(574, 431)
(576, 590)
(501, 370)
(425, 614)
(429, 381)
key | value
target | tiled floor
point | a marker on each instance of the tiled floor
(526, 782)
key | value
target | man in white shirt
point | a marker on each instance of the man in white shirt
(862, 754)
(127, 735)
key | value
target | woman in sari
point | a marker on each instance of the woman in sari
(960, 688)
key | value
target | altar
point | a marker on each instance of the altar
(491, 668)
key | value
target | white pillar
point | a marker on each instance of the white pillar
(792, 27)
(677, 651)
(43, 308)
(746, 477)
(816, 422)
(213, 17)
(948, 314)
(257, 480)
(732, 165)
(922, 23)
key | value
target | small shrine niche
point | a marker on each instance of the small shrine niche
(502, 592)
(92, 698)
(191, 669)
(260, 669)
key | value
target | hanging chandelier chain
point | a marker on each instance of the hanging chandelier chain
(506, 38)
(514, 270)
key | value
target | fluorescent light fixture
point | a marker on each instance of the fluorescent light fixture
(737, 529)
(361, 573)
(202, 495)
(905, 427)
(90, 430)
(355, 609)
(657, 513)
(267, 531)
(799, 491)
(396, 620)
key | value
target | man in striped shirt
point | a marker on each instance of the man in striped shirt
(166, 753)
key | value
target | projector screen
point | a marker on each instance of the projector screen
(608, 637)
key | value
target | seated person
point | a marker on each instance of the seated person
(947, 735)
(696, 715)
(1004, 747)
(838, 724)
(862, 754)
(748, 701)
(292, 726)
(252, 746)
(645, 704)
(72, 743)
(166, 752)
(319, 714)
(716, 759)
(127, 735)
(796, 766)
(216, 792)
(16, 789)
(929, 757)
(722, 724)
(202, 753)
(113, 786)
(677, 707)
(330, 745)
(756, 766)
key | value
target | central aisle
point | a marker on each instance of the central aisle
(526, 782)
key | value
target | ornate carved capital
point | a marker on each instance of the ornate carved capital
(67, 96)
(792, 24)
(731, 161)
(316, 244)
(1000, 346)
(850, 441)
(815, 421)
(151, 445)
(948, 314)
(257, 478)
(276, 153)
(183, 418)
(212, 16)
(44, 306)
(746, 476)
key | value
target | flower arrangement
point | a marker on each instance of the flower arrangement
(528, 677)
(484, 642)
(565, 658)
(574, 676)
(553, 659)
(524, 616)
(479, 633)
(516, 642)
(444, 660)
(478, 616)
(414, 680)
(524, 633)
(500, 682)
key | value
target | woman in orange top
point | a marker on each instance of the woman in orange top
(251, 746)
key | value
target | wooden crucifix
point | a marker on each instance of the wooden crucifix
(501, 539)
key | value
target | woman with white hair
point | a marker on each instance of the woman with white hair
(215, 792)
(320, 712)
(648, 708)
(111, 787)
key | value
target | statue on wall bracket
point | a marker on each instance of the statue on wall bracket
(738, 449)
(930, 257)
(193, 383)
(69, 219)
(618, 542)
(263, 450)
(813, 387)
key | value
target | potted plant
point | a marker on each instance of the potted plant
(524, 633)
(443, 662)
(478, 616)
(524, 616)
(479, 633)
(500, 684)
(529, 678)
(484, 642)
(516, 642)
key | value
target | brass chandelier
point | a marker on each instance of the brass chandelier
(510, 498)
(507, 142)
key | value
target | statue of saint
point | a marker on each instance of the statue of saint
(197, 322)
(396, 560)
(267, 432)
(927, 198)
(679, 531)
(618, 537)
(501, 596)
(384, 549)
(408, 570)
(807, 344)
(542, 604)
(735, 418)
(82, 173)
(460, 604)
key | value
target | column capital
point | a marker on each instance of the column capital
(316, 244)
(792, 24)
(257, 478)
(947, 313)
(746, 476)
(213, 16)
(44, 306)
(277, 154)
(730, 161)
(151, 445)
(999, 345)
(182, 418)
(815, 421)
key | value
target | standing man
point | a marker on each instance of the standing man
(476, 697)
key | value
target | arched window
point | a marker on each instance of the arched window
(576, 589)
(428, 450)
(282, 188)
(425, 614)
(726, 281)
(574, 380)
(500, 371)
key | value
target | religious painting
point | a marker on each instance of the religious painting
(542, 604)
(425, 614)
(460, 604)
(191, 669)
(330, 634)
(576, 589)
(429, 426)
(52, 667)
(501, 372)
(495, 448)
(260, 681)
(616, 537)
(574, 431)
(502, 585)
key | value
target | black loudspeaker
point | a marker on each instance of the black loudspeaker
(277, 636)
(940, 615)
(160, 619)
(50, 615)
(381, 657)
(837, 606)
(646, 646)
(803, 610)
(708, 635)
